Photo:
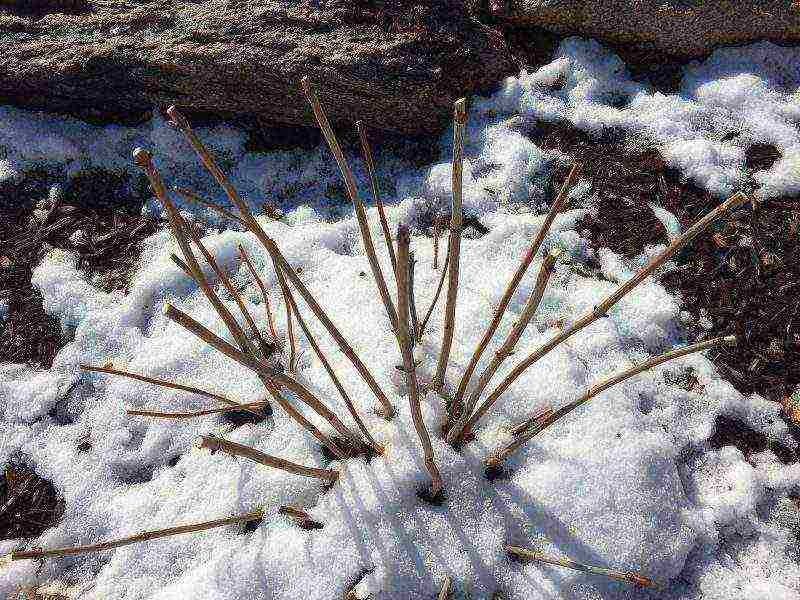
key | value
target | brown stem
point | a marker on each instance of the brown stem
(555, 208)
(436, 230)
(454, 247)
(444, 593)
(300, 516)
(435, 297)
(601, 309)
(169, 384)
(358, 206)
(507, 348)
(365, 148)
(260, 283)
(626, 576)
(190, 196)
(405, 342)
(181, 265)
(267, 373)
(189, 415)
(141, 537)
(343, 344)
(223, 277)
(596, 389)
(328, 368)
(412, 304)
(214, 444)
(289, 326)
(525, 425)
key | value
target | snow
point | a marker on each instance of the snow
(629, 481)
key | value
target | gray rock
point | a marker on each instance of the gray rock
(396, 65)
(680, 28)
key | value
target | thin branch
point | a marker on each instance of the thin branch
(289, 326)
(454, 247)
(328, 368)
(262, 287)
(507, 348)
(626, 576)
(365, 148)
(358, 205)
(601, 309)
(301, 517)
(190, 415)
(555, 208)
(141, 537)
(444, 593)
(437, 224)
(596, 389)
(525, 425)
(343, 344)
(190, 196)
(181, 265)
(172, 385)
(428, 314)
(223, 277)
(412, 304)
(405, 342)
(216, 444)
(267, 373)
(270, 246)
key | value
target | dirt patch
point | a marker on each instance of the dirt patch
(29, 505)
(96, 215)
(742, 277)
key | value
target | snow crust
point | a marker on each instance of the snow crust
(629, 481)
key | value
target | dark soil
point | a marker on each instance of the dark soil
(99, 203)
(29, 505)
(743, 273)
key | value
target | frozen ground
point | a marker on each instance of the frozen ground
(628, 482)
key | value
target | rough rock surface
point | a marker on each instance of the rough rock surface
(396, 65)
(681, 28)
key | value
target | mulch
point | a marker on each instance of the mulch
(29, 505)
(741, 277)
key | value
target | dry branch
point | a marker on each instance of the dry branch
(172, 385)
(525, 425)
(141, 537)
(454, 247)
(444, 593)
(287, 292)
(263, 289)
(406, 343)
(343, 344)
(189, 415)
(358, 205)
(365, 148)
(216, 444)
(507, 348)
(190, 196)
(626, 576)
(555, 208)
(428, 314)
(548, 419)
(268, 374)
(300, 516)
(601, 309)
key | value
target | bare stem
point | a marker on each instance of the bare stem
(270, 246)
(176, 386)
(444, 593)
(454, 248)
(289, 326)
(141, 537)
(214, 444)
(358, 206)
(181, 265)
(190, 196)
(287, 292)
(437, 224)
(365, 148)
(343, 344)
(189, 415)
(412, 304)
(300, 516)
(601, 309)
(267, 373)
(405, 342)
(555, 208)
(264, 295)
(548, 419)
(626, 576)
(507, 348)
(428, 314)
(525, 425)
